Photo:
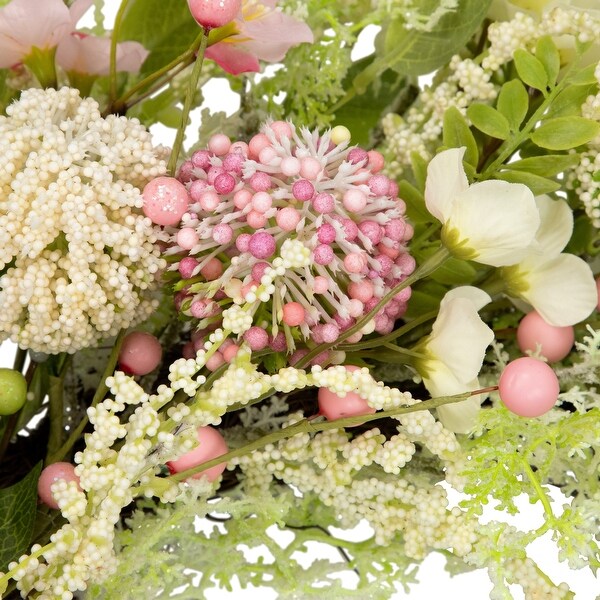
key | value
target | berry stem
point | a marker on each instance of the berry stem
(56, 408)
(187, 105)
(113, 51)
(310, 426)
(61, 452)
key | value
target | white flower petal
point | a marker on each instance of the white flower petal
(459, 339)
(562, 289)
(498, 219)
(478, 297)
(556, 225)
(459, 417)
(446, 179)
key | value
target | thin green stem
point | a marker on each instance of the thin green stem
(19, 362)
(538, 488)
(187, 105)
(61, 452)
(430, 265)
(113, 51)
(311, 426)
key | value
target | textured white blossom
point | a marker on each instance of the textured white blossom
(78, 259)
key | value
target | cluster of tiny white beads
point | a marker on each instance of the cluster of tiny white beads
(587, 188)
(80, 257)
(420, 128)
(525, 573)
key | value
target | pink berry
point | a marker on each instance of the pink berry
(320, 285)
(185, 173)
(215, 361)
(258, 270)
(326, 233)
(187, 238)
(354, 200)
(357, 155)
(140, 353)
(214, 13)
(222, 233)
(293, 314)
(211, 444)
(290, 166)
(278, 343)
(379, 185)
(219, 144)
(310, 167)
(256, 220)
(303, 190)
(355, 262)
(361, 290)
(165, 200)
(242, 198)
(376, 161)
(323, 254)
(233, 162)
(52, 473)
(212, 270)
(528, 387)
(371, 230)
(262, 202)
(209, 200)
(281, 129)
(262, 245)
(323, 203)
(555, 342)
(257, 143)
(332, 406)
(230, 352)
(240, 148)
(267, 155)
(257, 338)
(242, 242)
(260, 182)
(201, 159)
(288, 218)
(224, 183)
(187, 266)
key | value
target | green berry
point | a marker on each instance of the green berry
(13, 391)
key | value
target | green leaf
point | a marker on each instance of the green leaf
(364, 112)
(586, 76)
(547, 53)
(530, 70)
(565, 133)
(412, 52)
(457, 133)
(166, 29)
(17, 516)
(538, 185)
(415, 203)
(513, 103)
(419, 169)
(583, 234)
(569, 101)
(547, 165)
(489, 120)
(455, 272)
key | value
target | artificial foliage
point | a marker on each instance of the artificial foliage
(333, 278)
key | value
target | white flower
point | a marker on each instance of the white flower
(560, 287)
(454, 352)
(77, 258)
(491, 222)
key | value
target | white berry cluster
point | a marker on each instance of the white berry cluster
(467, 82)
(78, 259)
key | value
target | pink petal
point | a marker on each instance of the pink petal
(272, 35)
(91, 55)
(28, 23)
(233, 59)
(78, 9)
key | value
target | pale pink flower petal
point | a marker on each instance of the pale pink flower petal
(233, 59)
(91, 55)
(25, 24)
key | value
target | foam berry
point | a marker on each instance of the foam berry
(165, 200)
(140, 353)
(528, 387)
(13, 391)
(51, 474)
(332, 406)
(555, 342)
(210, 445)
(214, 13)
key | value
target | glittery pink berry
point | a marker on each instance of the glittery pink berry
(257, 338)
(187, 238)
(51, 474)
(262, 245)
(224, 183)
(140, 353)
(187, 267)
(323, 254)
(555, 342)
(165, 200)
(210, 445)
(260, 182)
(323, 203)
(214, 13)
(357, 155)
(293, 314)
(528, 387)
(201, 159)
(303, 190)
(278, 343)
(222, 233)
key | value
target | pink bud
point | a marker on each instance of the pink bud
(165, 200)
(214, 13)
(52, 473)
(140, 353)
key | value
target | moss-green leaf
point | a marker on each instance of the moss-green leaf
(569, 101)
(419, 168)
(547, 53)
(513, 103)
(489, 120)
(166, 29)
(538, 185)
(530, 70)
(457, 134)
(586, 76)
(17, 516)
(565, 133)
(455, 272)
(547, 165)
(415, 203)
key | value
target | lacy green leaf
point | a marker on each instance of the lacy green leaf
(17, 516)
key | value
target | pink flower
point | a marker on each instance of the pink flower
(263, 33)
(25, 24)
(91, 55)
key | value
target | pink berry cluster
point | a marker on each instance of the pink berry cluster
(246, 199)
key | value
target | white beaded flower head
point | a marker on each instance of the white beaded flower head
(77, 257)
